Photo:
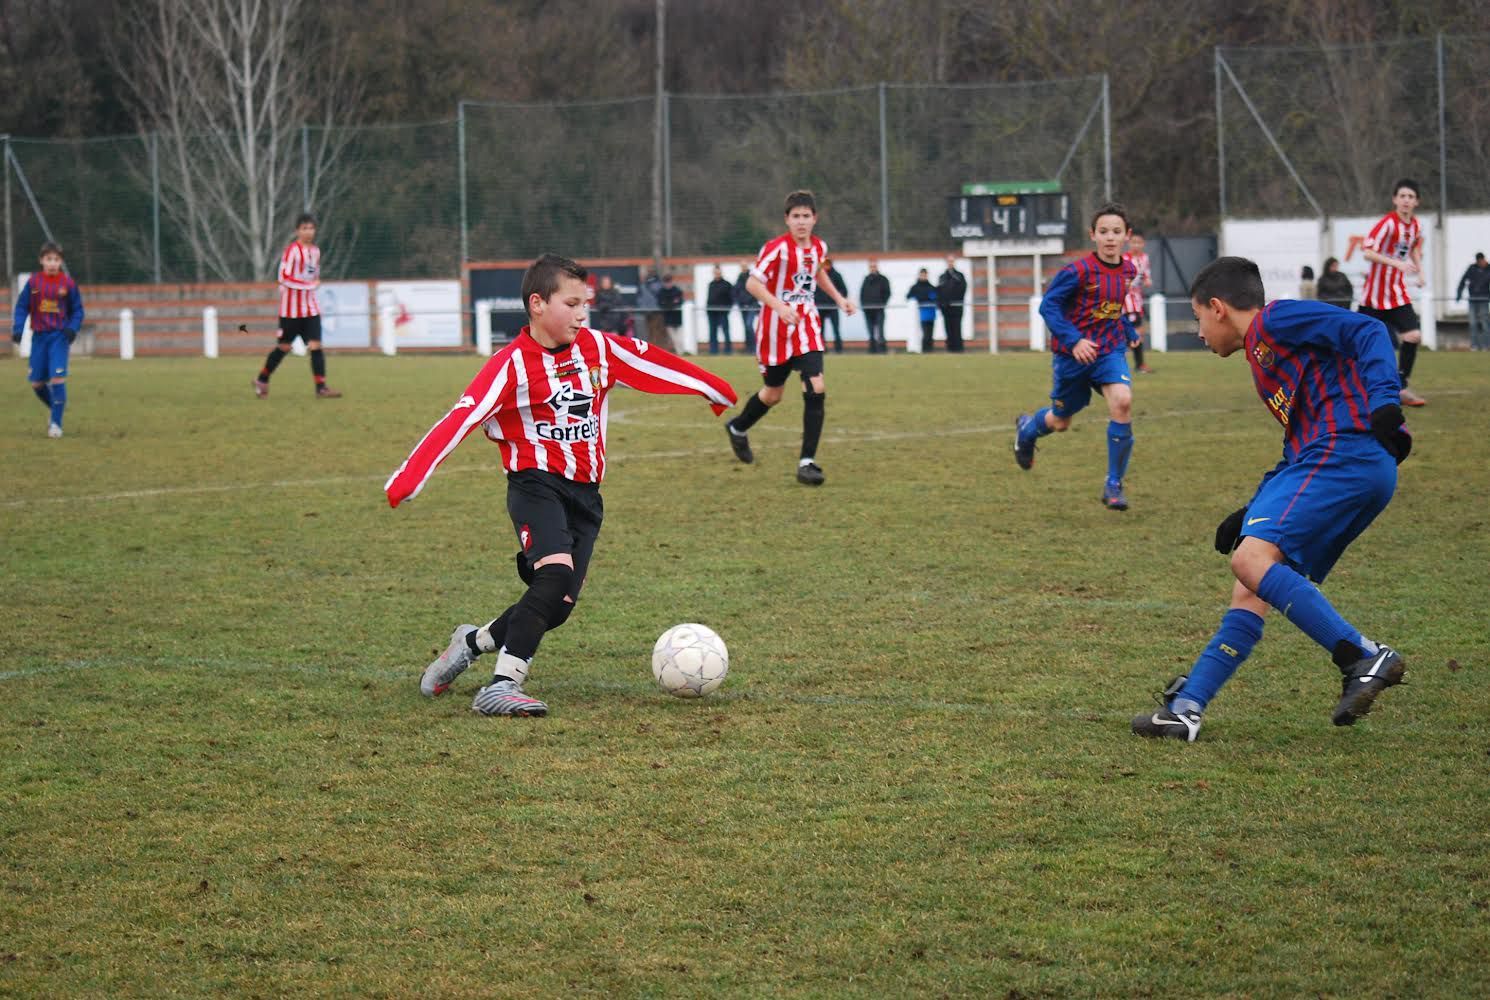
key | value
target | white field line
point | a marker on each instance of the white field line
(838, 437)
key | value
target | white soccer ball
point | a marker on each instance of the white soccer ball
(689, 661)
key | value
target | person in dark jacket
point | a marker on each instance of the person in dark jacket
(749, 308)
(1333, 285)
(1477, 280)
(924, 293)
(951, 290)
(670, 303)
(608, 312)
(827, 308)
(874, 295)
(719, 301)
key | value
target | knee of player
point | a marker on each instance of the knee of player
(1059, 423)
(284, 347)
(561, 613)
(770, 395)
(56, 381)
(814, 385)
(314, 345)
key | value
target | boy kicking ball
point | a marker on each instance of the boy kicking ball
(1329, 377)
(542, 400)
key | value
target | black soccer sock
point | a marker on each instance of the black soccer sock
(1406, 355)
(318, 366)
(812, 421)
(271, 363)
(752, 411)
(529, 618)
(1138, 354)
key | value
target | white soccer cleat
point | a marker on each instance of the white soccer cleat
(505, 697)
(449, 665)
(54, 430)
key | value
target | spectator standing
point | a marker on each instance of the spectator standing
(646, 305)
(1333, 286)
(923, 292)
(951, 290)
(607, 313)
(670, 301)
(827, 308)
(749, 308)
(1308, 287)
(721, 299)
(874, 295)
(1477, 280)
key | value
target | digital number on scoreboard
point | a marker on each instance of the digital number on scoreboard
(1009, 216)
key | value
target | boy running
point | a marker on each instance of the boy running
(1395, 249)
(1089, 338)
(51, 300)
(1135, 306)
(299, 314)
(789, 333)
(542, 400)
(1328, 377)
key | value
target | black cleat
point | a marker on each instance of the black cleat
(1364, 680)
(739, 444)
(1165, 724)
(1023, 457)
(810, 474)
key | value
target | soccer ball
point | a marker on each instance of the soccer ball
(689, 661)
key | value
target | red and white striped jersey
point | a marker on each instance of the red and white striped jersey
(1386, 287)
(1143, 279)
(547, 409)
(790, 272)
(299, 274)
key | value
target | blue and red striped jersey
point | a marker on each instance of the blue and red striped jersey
(1085, 299)
(1320, 369)
(51, 302)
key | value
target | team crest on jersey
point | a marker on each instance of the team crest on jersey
(1264, 355)
(595, 378)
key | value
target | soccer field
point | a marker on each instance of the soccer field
(218, 778)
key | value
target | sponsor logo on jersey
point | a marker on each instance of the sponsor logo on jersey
(466, 401)
(525, 537)
(1107, 310)
(574, 417)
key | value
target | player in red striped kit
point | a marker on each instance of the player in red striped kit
(543, 401)
(789, 332)
(1395, 249)
(299, 314)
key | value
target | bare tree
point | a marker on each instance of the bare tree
(232, 89)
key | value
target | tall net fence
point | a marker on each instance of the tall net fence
(1325, 130)
(508, 181)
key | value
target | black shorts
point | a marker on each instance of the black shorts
(554, 515)
(808, 364)
(307, 328)
(1403, 319)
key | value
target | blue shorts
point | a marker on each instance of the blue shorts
(1315, 508)
(1073, 383)
(49, 355)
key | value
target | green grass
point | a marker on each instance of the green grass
(217, 776)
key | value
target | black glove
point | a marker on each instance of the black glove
(71, 336)
(1229, 532)
(1388, 427)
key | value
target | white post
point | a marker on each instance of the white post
(209, 332)
(126, 334)
(483, 327)
(385, 331)
(688, 333)
(1037, 324)
(1428, 319)
(1158, 323)
(993, 305)
(913, 340)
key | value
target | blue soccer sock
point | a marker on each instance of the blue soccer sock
(1240, 630)
(1036, 425)
(43, 393)
(1119, 450)
(59, 401)
(1303, 604)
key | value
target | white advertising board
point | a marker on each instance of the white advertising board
(425, 313)
(346, 313)
(1463, 236)
(1281, 248)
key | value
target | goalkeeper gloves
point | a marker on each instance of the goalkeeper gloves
(1388, 427)
(1229, 532)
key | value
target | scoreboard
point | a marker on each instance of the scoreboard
(1011, 215)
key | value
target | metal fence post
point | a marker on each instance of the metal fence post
(667, 172)
(1443, 139)
(884, 177)
(1106, 138)
(10, 262)
(465, 222)
(1220, 135)
(305, 168)
(155, 201)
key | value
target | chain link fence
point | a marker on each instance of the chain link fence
(508, 181)
(1325, 130)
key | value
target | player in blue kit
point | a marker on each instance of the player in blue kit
(51, 301)
(1330, 378)
(1089, 337)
